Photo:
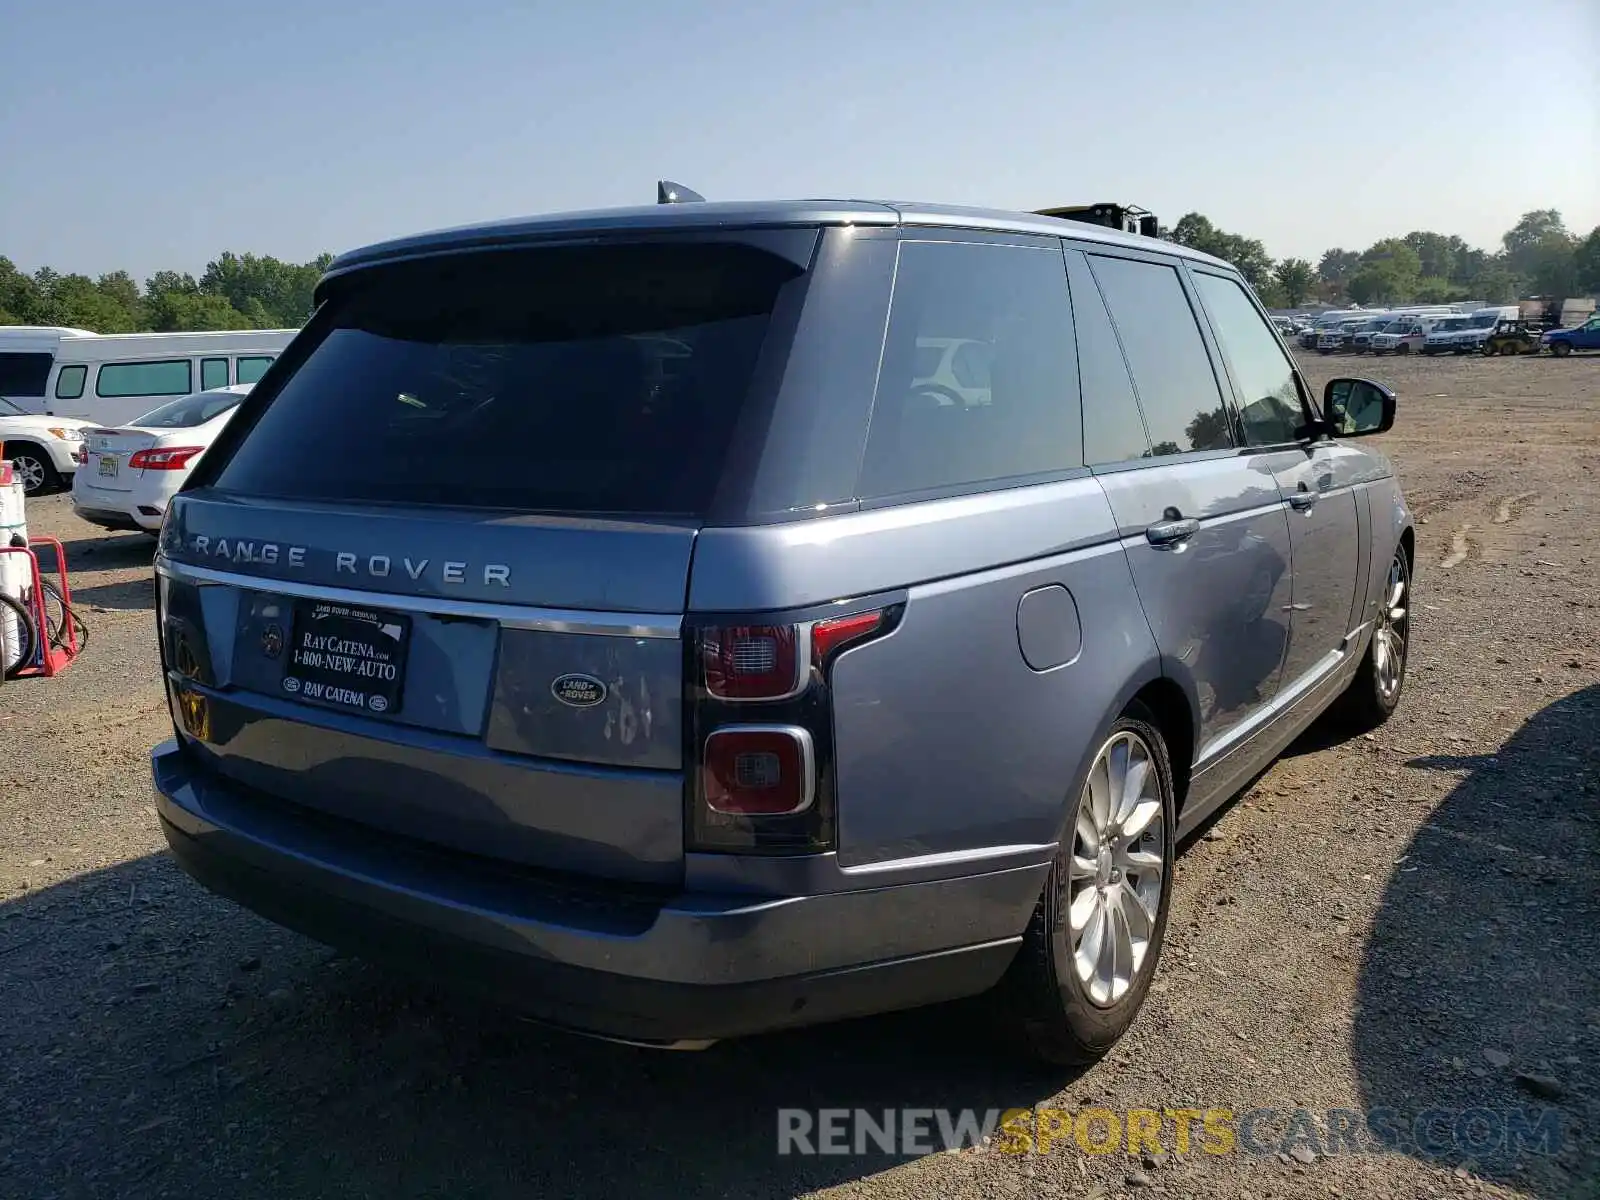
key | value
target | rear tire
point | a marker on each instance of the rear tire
(1072, 992)
(33, 466)
(1403, 348)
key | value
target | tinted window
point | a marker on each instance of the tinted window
(189, 411)
(1177, 389)
(1010, 408)
(24, 374)
(1263, 377)
(69, 383)
(171, 378)
(595, 380)
(252, 367)
(1113, 430)
(213, 373)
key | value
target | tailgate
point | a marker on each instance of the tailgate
(398, 672)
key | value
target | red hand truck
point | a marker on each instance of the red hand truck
(53, 651)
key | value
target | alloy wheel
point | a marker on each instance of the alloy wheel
(1118, 856)
(29, 472)
(1394, 623)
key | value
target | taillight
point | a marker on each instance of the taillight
(753, 662)
(760, 731)
(81, 456)
(164, 458)
(759, 770)
(838, 632)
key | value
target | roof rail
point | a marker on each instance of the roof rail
(668, 192)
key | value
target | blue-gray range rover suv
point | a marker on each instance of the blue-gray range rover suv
(688, 621)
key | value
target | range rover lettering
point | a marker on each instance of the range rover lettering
(665, 642)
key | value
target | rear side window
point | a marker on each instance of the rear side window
(250, 368)
(213, 373)
(69, 383)
(1113, 430)
(24, 374)
(575, 380)
(1263, 377)
(1177, 388)
(979, 378)
(173, 377)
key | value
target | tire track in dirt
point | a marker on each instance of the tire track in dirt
(1511, 507)
(1460, 548)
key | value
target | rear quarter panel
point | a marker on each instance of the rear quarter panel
(947, 742)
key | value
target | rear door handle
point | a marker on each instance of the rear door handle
(1302, 501)
(1172, 532)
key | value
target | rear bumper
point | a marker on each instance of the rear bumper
(115, 509)
(607, 960)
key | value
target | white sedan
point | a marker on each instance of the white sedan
(44, 450)
(126, 476)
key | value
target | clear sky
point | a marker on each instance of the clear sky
(143, 134)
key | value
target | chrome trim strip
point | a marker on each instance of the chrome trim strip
(508, 616)
(1235, 736)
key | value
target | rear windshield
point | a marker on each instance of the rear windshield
(573, 380)
(189, 411)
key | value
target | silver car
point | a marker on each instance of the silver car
(646, 633)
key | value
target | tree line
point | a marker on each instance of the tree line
(1538, 256)
(236, 291)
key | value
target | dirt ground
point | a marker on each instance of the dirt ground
(1408, 921)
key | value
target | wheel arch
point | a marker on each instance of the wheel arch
(9, 447)
(1175, 714)
(1174, 717)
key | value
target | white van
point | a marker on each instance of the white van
(1480, 325)
(112, 378)
(1408, 332)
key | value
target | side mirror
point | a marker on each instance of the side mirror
(1357, 407)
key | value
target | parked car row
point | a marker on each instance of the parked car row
(1491, 330)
